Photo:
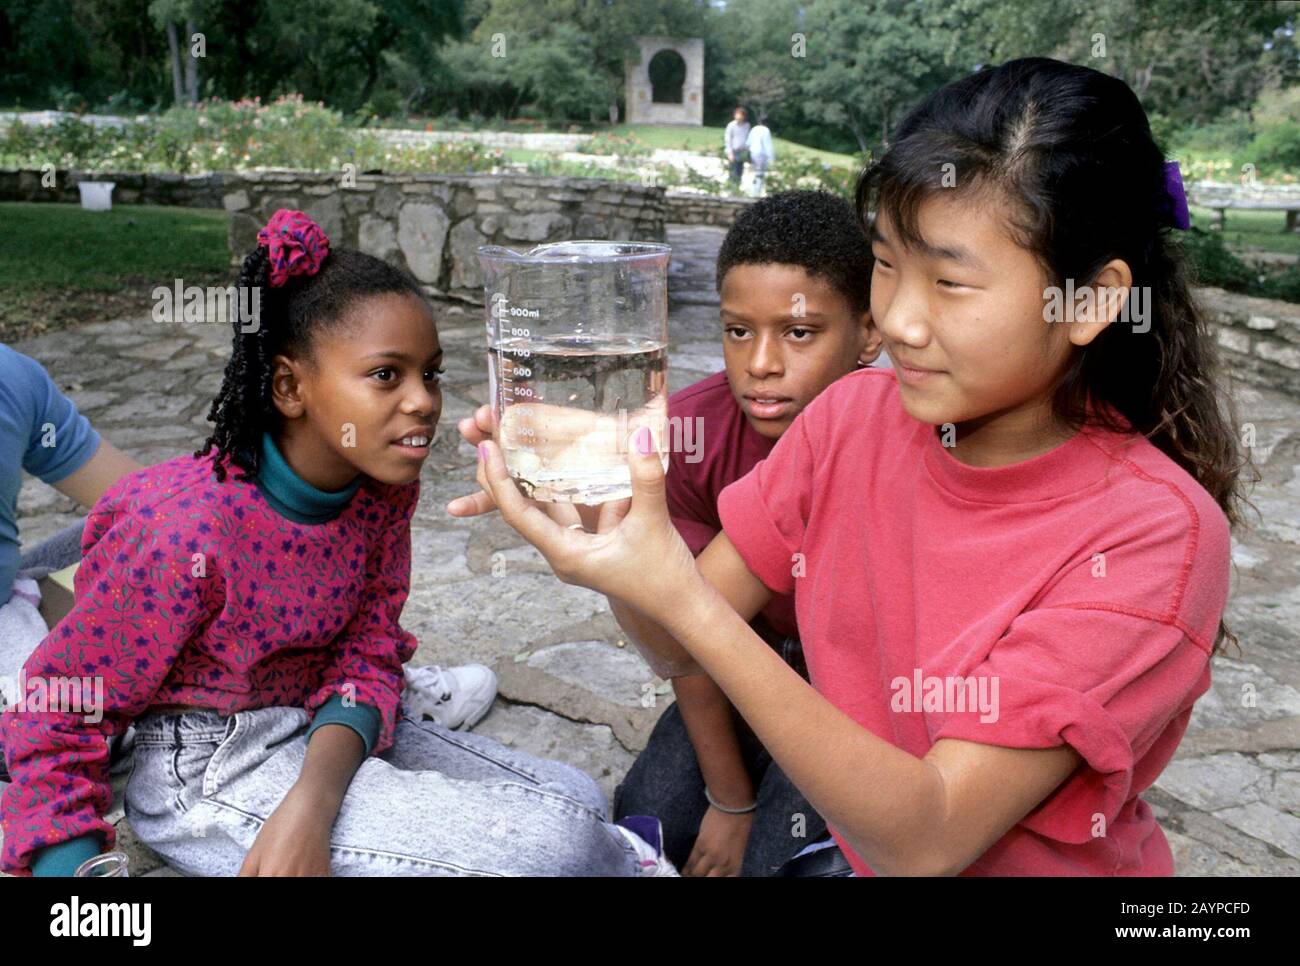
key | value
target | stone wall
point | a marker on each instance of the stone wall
(208, 190)
(433, 224)
(690, 208)
(174, 190)
(1259, 339)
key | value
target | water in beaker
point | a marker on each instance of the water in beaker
(578, 361)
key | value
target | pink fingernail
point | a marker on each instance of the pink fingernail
(643, 441)
(482, 452)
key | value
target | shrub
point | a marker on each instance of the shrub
(1283, 284)
(1225, 136)
(213, 136)
(1214, 264)
(220, 135)
(556, 167)
(1277, 146)
(622, 145)
(444, 157)
(791, 170)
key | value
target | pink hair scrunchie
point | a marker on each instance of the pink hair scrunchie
(296, 244)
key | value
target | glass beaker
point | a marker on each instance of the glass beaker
(578, 360)
(108, 865)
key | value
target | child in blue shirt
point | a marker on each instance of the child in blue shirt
(41, 432)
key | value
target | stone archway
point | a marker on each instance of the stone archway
(667, 73)
(665, 85)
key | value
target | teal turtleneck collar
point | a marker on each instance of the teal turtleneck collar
(293, 497)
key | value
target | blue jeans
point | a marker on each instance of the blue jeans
(437, 803)
(665, 781)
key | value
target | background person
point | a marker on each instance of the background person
(761, 153)
(734, 139)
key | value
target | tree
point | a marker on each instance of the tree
(869, 60)
(762, 60)
(558, 72)
(405, 35)
(51, 50)
(181, 50)
(594, 34)
(1187, 60)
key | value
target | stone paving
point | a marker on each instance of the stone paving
(571, 688)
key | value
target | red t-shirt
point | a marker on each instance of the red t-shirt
(917, 568)
(715, 449)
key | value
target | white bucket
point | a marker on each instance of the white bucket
(97, 195)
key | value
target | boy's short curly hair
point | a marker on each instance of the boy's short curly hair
(815, 230)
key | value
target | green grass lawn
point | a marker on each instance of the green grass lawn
(1261, 230)
(709, 140)
(667, 136)
(65, 246)
(61, 264)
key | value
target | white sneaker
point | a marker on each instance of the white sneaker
(456, 698)
(646, 836)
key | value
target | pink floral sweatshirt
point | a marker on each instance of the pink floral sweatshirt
(197, 592)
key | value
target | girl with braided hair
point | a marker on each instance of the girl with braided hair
(241, 606)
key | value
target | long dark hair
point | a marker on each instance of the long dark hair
(289, 317)
(1058, 139)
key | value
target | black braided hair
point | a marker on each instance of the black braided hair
(289, 317)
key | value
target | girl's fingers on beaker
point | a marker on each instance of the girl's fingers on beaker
(470, 432)
(472, 505)
(611, 513)
(474, 429)
(523, 515)
(565, 514)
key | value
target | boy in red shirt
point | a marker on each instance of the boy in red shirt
(793, 277)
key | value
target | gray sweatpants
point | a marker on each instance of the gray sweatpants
(22, 627)
(21, 624)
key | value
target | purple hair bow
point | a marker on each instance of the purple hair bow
(1178, 213)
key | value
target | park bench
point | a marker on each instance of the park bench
(1253, 197)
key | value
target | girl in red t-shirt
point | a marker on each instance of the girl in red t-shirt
(1010, 557)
